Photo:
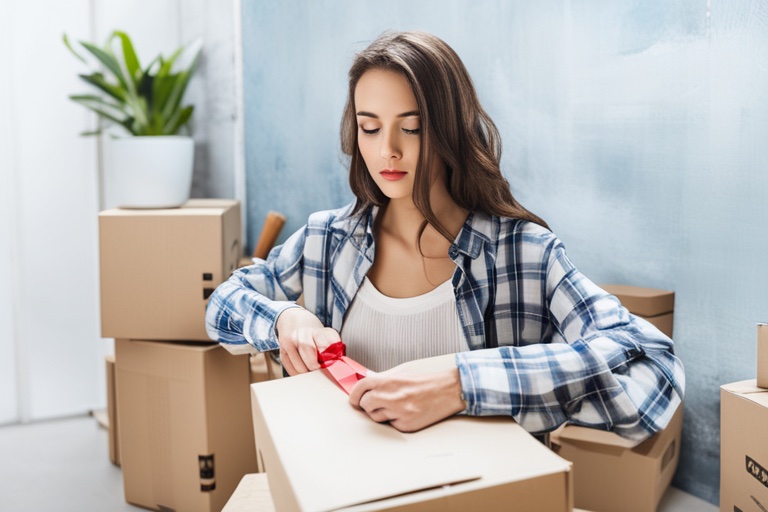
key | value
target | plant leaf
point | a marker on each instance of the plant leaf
(102, 108)
(179, 87)
(179, 119)
(108, 60)
(97, 80)
(131, 60)
(66, 42)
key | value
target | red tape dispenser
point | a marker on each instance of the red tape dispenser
(345, 371)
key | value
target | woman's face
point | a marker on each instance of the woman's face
(388, 125)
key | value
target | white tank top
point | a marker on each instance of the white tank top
(381, 332)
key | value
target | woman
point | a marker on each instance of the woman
(434, 257)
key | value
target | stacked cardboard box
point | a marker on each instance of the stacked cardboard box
(602, 461)
(743, 451)
(184, 429)
(158, 268)
(651, 304)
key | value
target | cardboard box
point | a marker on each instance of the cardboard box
(762, 355)
(612, 473)
(743, 450)
(252, 494)
(322, 454)
(158, 267)
(643, 301)
(664, 322)
(656, 306)
(186, 435)
(264, 367)
(112, 427)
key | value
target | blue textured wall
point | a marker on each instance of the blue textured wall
(638, 130)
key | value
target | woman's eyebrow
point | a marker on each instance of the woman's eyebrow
(404, 114)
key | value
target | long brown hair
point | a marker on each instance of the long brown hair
(453, 126)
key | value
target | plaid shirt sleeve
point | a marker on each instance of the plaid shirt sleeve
(603, 367)
(244, 309)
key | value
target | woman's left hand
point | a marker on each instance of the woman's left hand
(410, 402)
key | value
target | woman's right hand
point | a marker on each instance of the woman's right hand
(302, 336)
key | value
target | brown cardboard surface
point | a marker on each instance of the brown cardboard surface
(263, 367)
(158, 267)
(642, 301)
(604, 464)
(743, 450)
(112, 427)
(762, 355)
(179, 404)
(306, 428)
(663, 322)
(252, 494)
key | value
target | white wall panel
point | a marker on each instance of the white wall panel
(55, 169)
(8, 390)
(51, 188)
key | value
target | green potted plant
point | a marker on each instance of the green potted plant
(149, 154)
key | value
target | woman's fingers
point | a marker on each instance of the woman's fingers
(379, 415)
(308, 351)
(294, 358)
(301, 336)
(287, 363)
(325, 338)
(360, 389)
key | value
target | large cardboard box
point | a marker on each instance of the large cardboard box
(611, 473)
(112, 427)
(743, 449)
(762, 355)
(656, 306)
(158, 267)
(186, 436)
(322, 454)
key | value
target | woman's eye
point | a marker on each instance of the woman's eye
(415, 131)
(370, 132)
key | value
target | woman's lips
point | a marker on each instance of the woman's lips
(392, 174)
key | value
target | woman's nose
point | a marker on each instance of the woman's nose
(389, 145)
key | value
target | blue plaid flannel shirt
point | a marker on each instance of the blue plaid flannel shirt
(548, 346)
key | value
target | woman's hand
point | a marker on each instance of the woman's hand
(302, 336)
(409, 401)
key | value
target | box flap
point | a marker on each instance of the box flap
(611, 439)
(591, 435)
(748, 389)
(491, 451)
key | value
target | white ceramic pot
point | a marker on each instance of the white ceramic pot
(150, 172)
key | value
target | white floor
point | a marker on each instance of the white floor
(63, 466)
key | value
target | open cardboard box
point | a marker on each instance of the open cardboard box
(322, 454)
(604, 464)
